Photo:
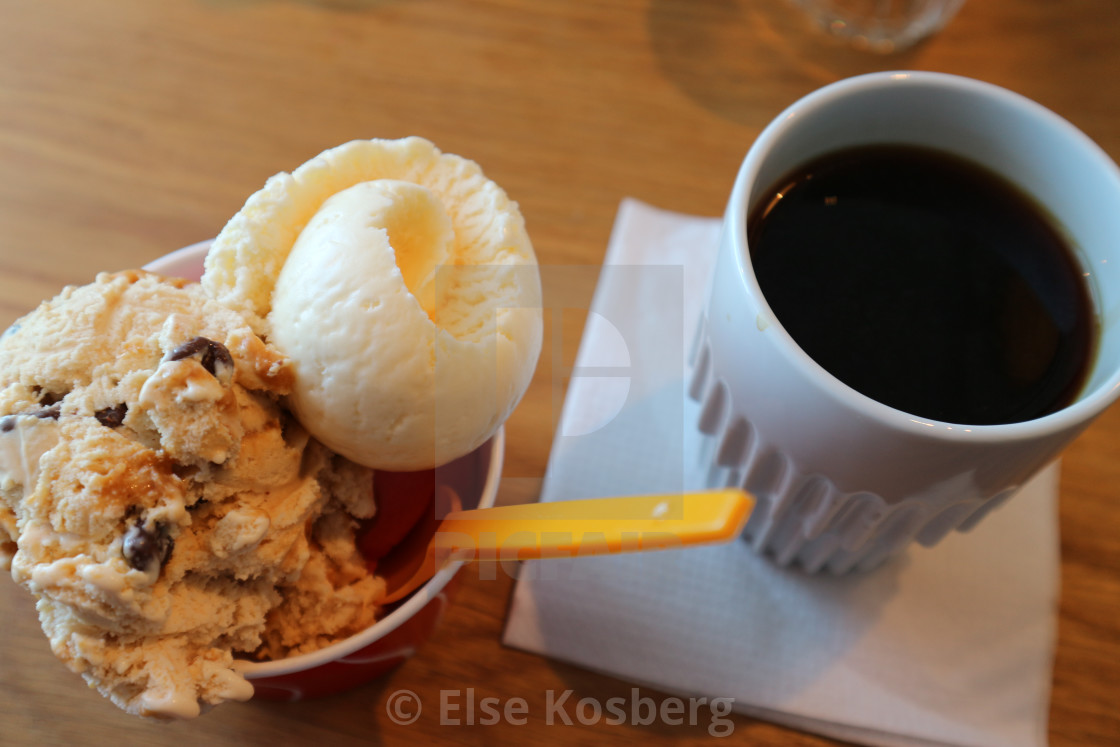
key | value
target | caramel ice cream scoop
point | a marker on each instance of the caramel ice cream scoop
(163, 509)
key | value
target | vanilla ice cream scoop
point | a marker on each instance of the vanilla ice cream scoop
(402, 285)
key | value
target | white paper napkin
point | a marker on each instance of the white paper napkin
(949, 645)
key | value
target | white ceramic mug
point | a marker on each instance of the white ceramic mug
(844, 481)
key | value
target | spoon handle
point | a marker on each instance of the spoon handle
(593, 527)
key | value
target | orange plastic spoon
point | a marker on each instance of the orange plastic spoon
(562, 529)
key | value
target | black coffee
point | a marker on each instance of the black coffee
(927, 283)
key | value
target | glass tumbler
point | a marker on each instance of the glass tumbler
(881, 25)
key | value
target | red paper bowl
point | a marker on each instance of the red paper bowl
(405, 624)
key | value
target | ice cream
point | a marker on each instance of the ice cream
(157, 495)
(164, 509)
(401, 283)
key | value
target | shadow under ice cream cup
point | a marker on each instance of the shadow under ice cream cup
(845, 480)
(405, 625)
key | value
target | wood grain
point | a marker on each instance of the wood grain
(130, 128)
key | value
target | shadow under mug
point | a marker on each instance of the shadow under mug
(843, 481)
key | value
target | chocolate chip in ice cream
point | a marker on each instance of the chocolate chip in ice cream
(8, 422)
(47, 398)
(214, 356)
(112, 417)
(51, 412)
(143, 546)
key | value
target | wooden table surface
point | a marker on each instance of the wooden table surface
(129, 128)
